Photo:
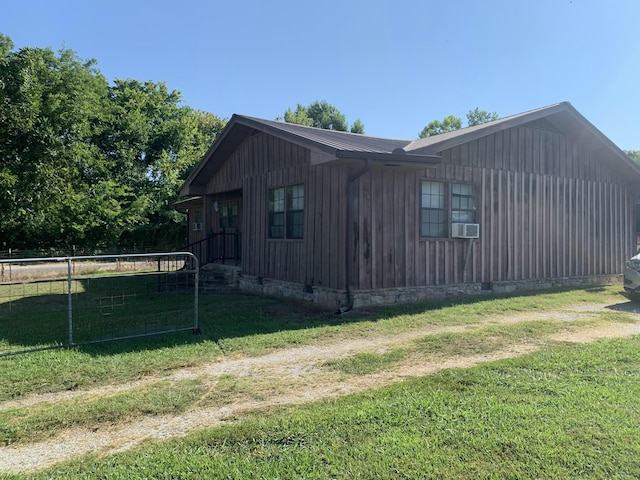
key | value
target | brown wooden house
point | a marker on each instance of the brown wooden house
(534, 200)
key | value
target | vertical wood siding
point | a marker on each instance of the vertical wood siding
(547, 207)
(263, 162)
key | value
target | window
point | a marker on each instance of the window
(229, 216)
(197, 220)
(463, 203)
(286, 212)
(444, 203)
(433, 222)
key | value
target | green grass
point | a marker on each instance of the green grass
(36, 315)
(365, 363)
(564, 412)
(419, 426)
(245, 325)
(474, 342)
(35, 423)
(77, 368)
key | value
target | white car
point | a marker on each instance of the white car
(632, 278)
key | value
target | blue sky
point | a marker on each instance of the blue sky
(396, 65)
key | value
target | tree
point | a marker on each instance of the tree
(357, 127)
(155, 143)
(321, 115)
(451, 122)
(50, 112)
(6, 47)
(89, 164)
(633, 155)
(299, 117)
(478, 117)
(436, 127)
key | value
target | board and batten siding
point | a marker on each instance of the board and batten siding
(262, 162)
(547, 208)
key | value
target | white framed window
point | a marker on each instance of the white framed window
(286, 212)
(445, 203)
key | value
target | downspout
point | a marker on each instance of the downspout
(349, 248)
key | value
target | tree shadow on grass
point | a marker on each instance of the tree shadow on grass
(37, 315)
(42, 320)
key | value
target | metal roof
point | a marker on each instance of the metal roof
(449, 139)
(325, 145)
(329, 145)
(332, 139)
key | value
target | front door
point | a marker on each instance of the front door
(227, 239)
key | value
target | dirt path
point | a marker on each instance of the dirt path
(285, 377)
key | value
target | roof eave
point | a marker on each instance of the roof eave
(185, 203)
(617, 151)
(473, 133)
(283, 134)
(186, 188)
(392, 159)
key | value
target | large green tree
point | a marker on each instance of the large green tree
(321, 114)
(89, 164)
(451, 122)
(155, 142)
(50, 113)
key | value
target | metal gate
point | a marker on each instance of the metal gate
(64, 301)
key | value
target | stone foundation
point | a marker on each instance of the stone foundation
(415, 294)
(327, 297)
(215, 277)
(232, 278)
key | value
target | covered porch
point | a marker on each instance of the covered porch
(214, 222)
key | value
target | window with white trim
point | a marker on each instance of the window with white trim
(286, 212)
(445, 203)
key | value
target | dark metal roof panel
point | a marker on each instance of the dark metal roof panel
(333, 139)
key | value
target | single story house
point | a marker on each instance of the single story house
(534, 200)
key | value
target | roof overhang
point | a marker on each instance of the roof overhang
(395, 159)
(444, 141)
(333, 148)
(561, 115)
(186, 203)
(324, 147)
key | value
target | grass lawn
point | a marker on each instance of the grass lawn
(246, 325)
(564, 412)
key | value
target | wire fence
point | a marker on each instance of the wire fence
(65, 301)
(7, 252)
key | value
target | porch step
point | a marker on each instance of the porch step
(216, 277)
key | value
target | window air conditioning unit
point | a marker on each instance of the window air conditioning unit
(465, 230)
(197, 226)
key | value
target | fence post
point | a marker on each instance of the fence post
(70, 300)
(196, 282)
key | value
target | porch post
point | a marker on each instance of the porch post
(207, 215)
(207, 226)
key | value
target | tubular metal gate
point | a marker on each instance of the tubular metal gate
(65, 301)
